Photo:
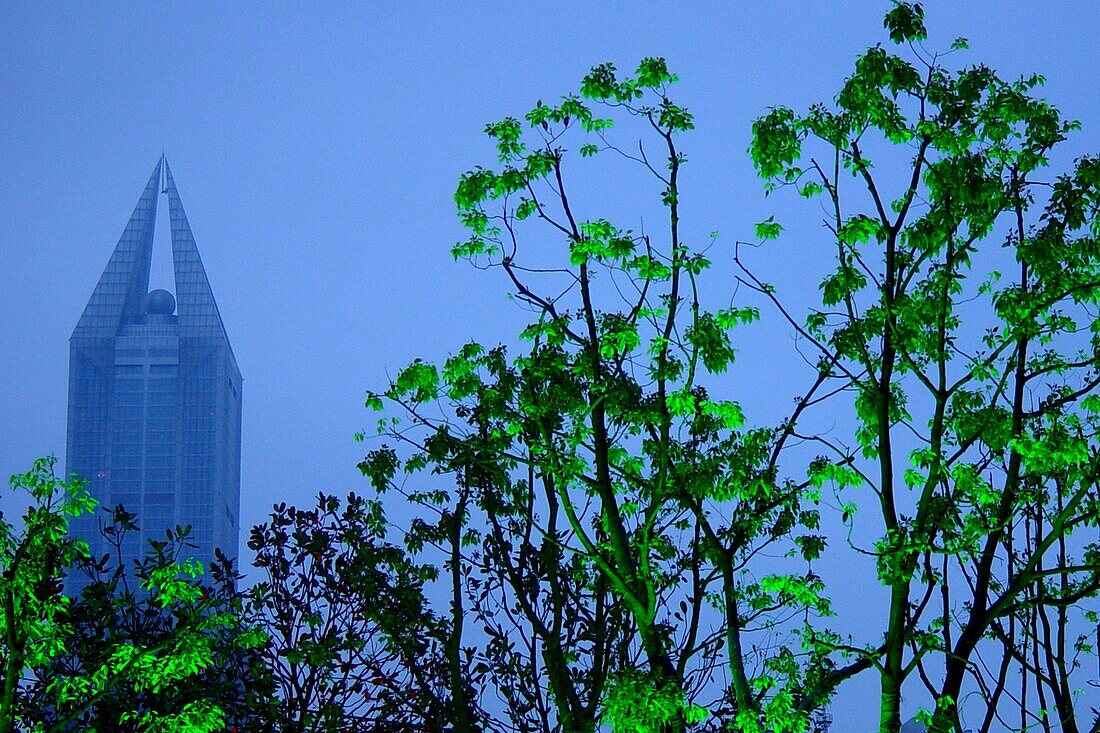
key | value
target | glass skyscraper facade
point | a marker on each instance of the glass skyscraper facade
(155, 396)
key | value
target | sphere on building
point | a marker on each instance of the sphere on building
(160, 302)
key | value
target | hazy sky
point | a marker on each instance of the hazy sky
(317, 151)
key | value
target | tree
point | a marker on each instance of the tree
(56, 674)
(30, 589)
(652, 489)
(974, 391)
(230, 680)
(351, 636)
(973, 395)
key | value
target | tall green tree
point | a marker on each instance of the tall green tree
(961, 320)
(972, 393)
(602, 437)
(115, 609)
(47, 685)
(31, 626)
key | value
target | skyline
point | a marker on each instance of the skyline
(337, 139)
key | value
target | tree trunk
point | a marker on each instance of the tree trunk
(893, 674)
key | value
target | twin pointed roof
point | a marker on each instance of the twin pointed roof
(119, 295)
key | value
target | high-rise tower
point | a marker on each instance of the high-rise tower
(155, 396)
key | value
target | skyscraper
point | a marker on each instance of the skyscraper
(155, 395)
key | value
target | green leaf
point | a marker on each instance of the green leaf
(460, 371)
(768, 229)
(822, 470)
(653, 73)
(712, 343)
(776, 143)
(810, 189)
(525, 208)
(695, 714)
(641, 702)
(729, 413)
(600, 83)
(473, 187)
(507, 133)
(730, 317)
(681, 402)
(811, 546)
(617, 336)
(380, 466)
(905, 22)
(472, 247)
(841, 284)
(538, 115)
(860, 229)
(418, 379)
(650, 268)
(816, 321)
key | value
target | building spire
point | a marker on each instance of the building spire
(198, 312)
(121, 289)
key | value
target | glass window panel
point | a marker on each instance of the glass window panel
(129, 500)
(158, 512)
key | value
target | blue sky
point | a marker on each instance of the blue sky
(317, 149)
